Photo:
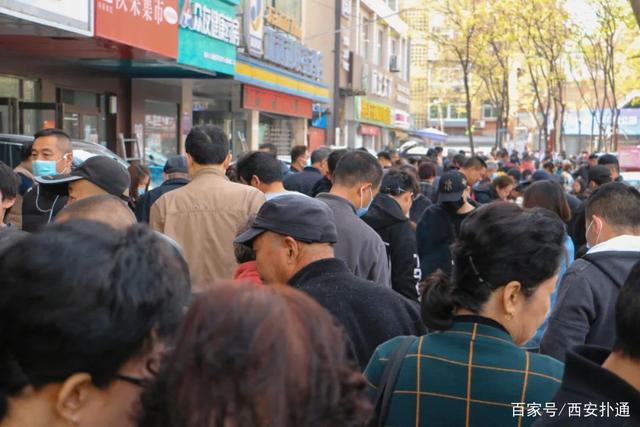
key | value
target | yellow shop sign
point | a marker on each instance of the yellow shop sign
(373, 112)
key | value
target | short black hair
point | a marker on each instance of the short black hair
(459, 159)
(89, 299)
(270, 148)
(334, 158)
(261, 164)
(297, 151)
(384, 155)
(63, 138)
(9, 182)
(396, 182)
(515, 174)
(618, 204)
(356, 167)
(207, 145)
(628, 316)
(475, 162)
(320, 154)
(25, 151)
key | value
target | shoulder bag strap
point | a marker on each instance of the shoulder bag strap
(388, 382)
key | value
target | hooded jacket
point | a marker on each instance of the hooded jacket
(585, 309)
(386, 218)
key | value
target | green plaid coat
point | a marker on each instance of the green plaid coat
(468, 375)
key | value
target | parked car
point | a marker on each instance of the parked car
(11, 146)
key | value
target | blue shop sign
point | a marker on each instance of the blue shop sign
(284, 50)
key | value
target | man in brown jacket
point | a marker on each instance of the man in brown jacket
(205, 215)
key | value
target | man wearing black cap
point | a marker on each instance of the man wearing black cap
(176, 175)
(440, 223)
(97, 176)
(611, 162)
(293, 239)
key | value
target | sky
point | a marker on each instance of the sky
(581, 12)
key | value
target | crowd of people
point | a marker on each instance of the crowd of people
(340, 289)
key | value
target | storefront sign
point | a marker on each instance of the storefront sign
(281, 49)
(273, 102)
(209, 33)
(146, 24)
(401, 119)
(369, 130)
(75, 16)
(367, 111)
(254, 26)
(346, 8)
(402, 94)
(283, 22)
(380, 84)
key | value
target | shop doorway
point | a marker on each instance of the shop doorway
(81, 123)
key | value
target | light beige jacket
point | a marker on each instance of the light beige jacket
(204, 217)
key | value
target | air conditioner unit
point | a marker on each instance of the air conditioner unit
(394, 67)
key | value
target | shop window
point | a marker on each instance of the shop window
(292, 8)
(366, 38)
(9, 87)
(457, 111)
(489, 111)
(160, 128)
(438, 111)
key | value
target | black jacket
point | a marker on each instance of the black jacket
(143, 206)
(369, 313)
(436, 232)
(303, 181)
(585, 308)
(586, 382)
(386, 217)
(419, 206)
(428, 190)
(322, 186)
(39, 207)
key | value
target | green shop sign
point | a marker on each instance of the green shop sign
(209, 35)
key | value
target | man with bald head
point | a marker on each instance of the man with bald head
(106, 209)
(51, 154)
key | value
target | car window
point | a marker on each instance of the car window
(10, 153)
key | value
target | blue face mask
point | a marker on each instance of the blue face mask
(361, 211)
(141, 191)
(44, 167)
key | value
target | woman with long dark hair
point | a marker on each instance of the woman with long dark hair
(472, 371)
(140, 180)
(257, 356)
(550, 195)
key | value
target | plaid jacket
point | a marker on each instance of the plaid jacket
(468, 375)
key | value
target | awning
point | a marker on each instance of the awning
(430, 133)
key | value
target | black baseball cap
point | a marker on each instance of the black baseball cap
(176, 164)
(607, 159)
(600, 174)
(303, 218)
(452, 185)
(102, 171)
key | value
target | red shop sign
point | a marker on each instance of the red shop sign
(369, 130)
(146, 24)
(275, 102)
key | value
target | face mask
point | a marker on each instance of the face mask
(308, 162)
(46, 167)
(141, 191)
(362, 210)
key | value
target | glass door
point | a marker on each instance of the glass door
(8, 116)
(81, 123)
(35, 116)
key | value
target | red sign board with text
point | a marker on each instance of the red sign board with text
(150, 25)
(274, 102)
